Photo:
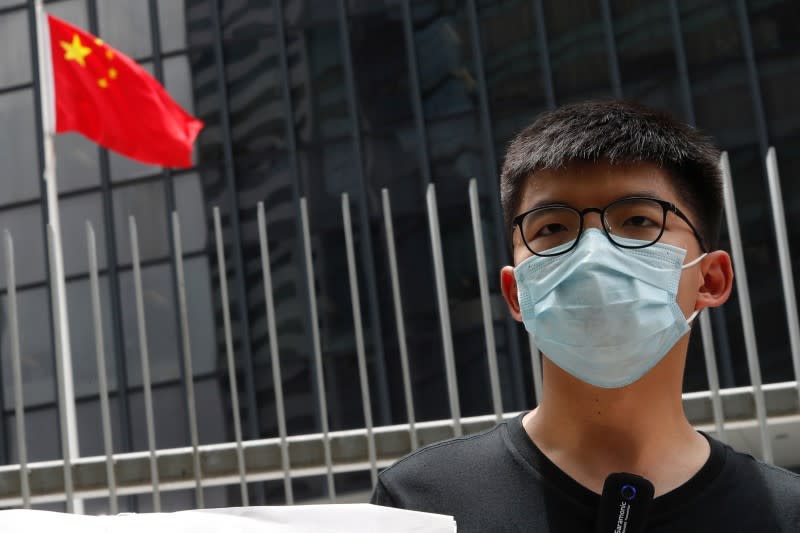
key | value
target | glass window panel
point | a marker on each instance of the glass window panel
(126, 26)
(75, 211)
(212, 427)
(15, 49)
(38, 373)
(178, 81)
(169, 417)
(41, 436)
(578, 53)
(25, 225)
(191, 206)
(513, 71)
(9, 3)
(90, 429)
(321, 99)
(255, 91)
(162, 331)
(646, 53)
(73, 11)
(78, 165)
(172, 24)
(202, 328)
(146, 202)
(246, 18)
(19, 177)
(717, 72)
(82, 336)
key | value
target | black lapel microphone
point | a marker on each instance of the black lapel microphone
(624, 504)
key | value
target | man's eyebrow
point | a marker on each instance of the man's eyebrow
(648, 193)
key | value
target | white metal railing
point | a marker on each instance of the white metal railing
(763, 419)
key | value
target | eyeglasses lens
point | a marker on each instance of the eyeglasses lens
(640, 219)
(551, 227)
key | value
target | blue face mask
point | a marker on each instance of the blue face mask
(602, 313)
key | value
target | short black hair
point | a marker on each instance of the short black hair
(618, 131)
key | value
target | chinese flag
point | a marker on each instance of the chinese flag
(110, 99)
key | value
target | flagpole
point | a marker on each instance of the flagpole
(59, 292)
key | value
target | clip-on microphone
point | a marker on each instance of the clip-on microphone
(624, 504)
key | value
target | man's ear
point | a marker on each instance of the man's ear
(508, 284)
(717, 280)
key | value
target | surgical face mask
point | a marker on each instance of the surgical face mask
(602, 313)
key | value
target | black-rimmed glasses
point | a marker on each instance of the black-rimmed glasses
(636, 218)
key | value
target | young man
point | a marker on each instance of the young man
(613, 212)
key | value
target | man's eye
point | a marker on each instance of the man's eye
(639, 222)
(551, 229)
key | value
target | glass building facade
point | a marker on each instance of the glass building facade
(315, 98)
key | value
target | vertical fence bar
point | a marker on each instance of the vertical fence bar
(544, 54)
(490, 160)
(784, 259)
(226, 319)
(145, 355)
(444, 310)
(486, 310)
(355, 298)
(16, 363)
(272, 330)
(62, 397)
(713, 376)
(745, 308)
(188, 372)
(367, 256)
(398, 315)
(323, 400)
(536, 365)
(102, 380)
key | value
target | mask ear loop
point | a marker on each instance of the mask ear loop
(694, 261)
(689, 265)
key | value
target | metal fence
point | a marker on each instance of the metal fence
(762, 419)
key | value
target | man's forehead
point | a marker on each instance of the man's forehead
(595, 184)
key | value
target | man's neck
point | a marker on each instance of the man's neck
(590, 432)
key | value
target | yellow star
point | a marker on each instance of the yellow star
(103, 83)
(75, 50)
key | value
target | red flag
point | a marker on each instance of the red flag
(110, 99)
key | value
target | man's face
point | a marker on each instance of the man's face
(597, 184)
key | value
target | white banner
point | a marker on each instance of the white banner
(349, 518)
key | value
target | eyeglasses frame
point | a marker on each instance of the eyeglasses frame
(665, 205)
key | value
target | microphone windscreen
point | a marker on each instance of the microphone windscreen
(624, 504)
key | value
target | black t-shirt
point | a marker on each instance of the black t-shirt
(499, 480)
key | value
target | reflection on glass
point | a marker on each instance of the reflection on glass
(82, 337)
(75, 212)
(19, 177)
(147, 204)
(126, 24)
(162, 331)
(25, 226)
(36, 350)
(578, 53)
(15, 48)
